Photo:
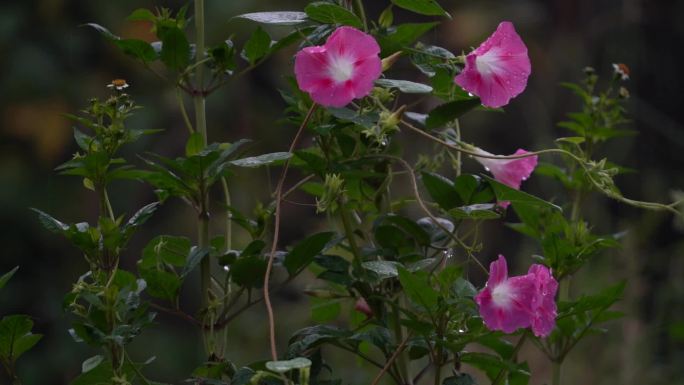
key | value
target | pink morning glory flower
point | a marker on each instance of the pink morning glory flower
(510, 172)
(341, 70)
(498, 69)
(544, 309)
(509, 304)
(505, 303)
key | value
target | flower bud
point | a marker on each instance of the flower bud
(390, 60)
(333, 188)
(386, 17)
(362, 307)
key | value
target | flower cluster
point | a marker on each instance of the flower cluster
(346, 67)
(509, 304)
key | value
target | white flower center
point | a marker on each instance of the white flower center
(501, 295)
(488, 63)
(341, 68)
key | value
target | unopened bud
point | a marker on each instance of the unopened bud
(386, 17)
(390, 121)
(623, 93)
(390, 60)
(362, 307)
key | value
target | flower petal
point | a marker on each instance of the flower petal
(498, 69)
(311, 69)
(348, 41)
(543, 305)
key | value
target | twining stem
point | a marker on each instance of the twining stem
(401, 358)
(391, 360)
(641, 204)
(276, 233)
(426, 210)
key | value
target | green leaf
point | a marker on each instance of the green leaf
(404, 86)
(141, 14)
(305, 251)
(471, 189)
(100, 375)
(423, 7)
(442, 190)
(508, 194)
(249, 272)
(261, 160)
(91, 363)
(16, 337)
(194, 258)
(404, 35)
(51, 223)
(138, 49)
(194, 145)
(140, 217)
(450, 111)
(277, 18)
(410, 227)
(102, 30)
(257, 46)
(7, 276)
(348, 115)
(161, 284)
(165, 249)
(476, 211)
(175, 52)
(461, 379)
(325, 309)
(418, 289)
(329, 13)
(286, 366)
(384, 269)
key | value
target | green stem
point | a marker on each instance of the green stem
(229, 222)
(514, 356)
(276, 234)
(563, 295)
(110, 210)
(199, 101)
(184, 113)
(399, 335)
(556, 376)
(457, 128)
(349, 232)
(361, 12)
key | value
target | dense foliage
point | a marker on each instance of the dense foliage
(402, 257)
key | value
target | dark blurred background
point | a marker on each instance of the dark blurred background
(50, 66)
